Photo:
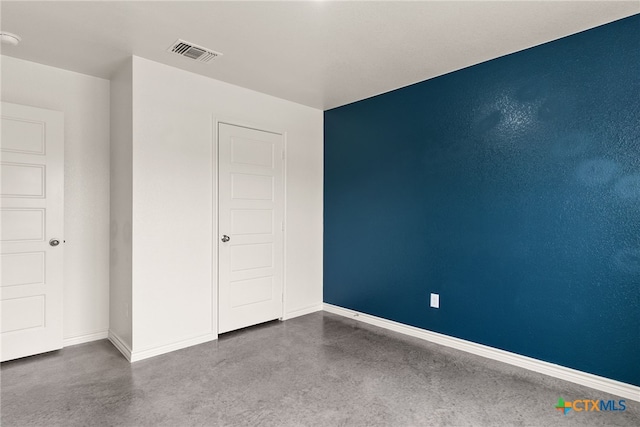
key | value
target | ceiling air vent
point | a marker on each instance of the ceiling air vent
(192, 51)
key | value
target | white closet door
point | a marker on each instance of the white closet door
(31, 234)
(251, 214)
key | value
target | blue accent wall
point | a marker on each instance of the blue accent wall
(512, 189)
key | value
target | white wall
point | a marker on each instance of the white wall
(120, 328)
(162, 286)
(173, 214)
(85, 103)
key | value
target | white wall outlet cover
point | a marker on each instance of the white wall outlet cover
(435, 300)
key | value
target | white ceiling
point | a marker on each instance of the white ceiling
(318, 53)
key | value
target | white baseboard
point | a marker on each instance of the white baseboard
(120, 345)
(156, 351)
(81, 339)
(607, 385)
(303, 311)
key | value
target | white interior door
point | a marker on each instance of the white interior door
(251, 214)
(31, 207)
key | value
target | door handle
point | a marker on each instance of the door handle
(54, 242)
(225, 238)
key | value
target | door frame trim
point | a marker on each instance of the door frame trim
(218, 119)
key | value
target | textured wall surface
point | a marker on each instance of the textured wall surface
(512, 188)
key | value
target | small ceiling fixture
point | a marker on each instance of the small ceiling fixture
(193, 51)
(9, 38)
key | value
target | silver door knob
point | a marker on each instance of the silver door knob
(225, 238)
(54, 242)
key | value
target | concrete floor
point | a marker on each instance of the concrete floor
(318, 369)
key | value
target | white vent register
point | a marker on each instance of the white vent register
(193, 52)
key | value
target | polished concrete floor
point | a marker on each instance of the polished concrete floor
(315, 370)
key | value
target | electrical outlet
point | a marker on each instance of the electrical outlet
(435, 300)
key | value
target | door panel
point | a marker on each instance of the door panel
(21, 314)
(23, 269)
(22, 180)
(246, 186)
(31, 190)
(251, 213)
(22, 225)
(251, 221)
(20, 135)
